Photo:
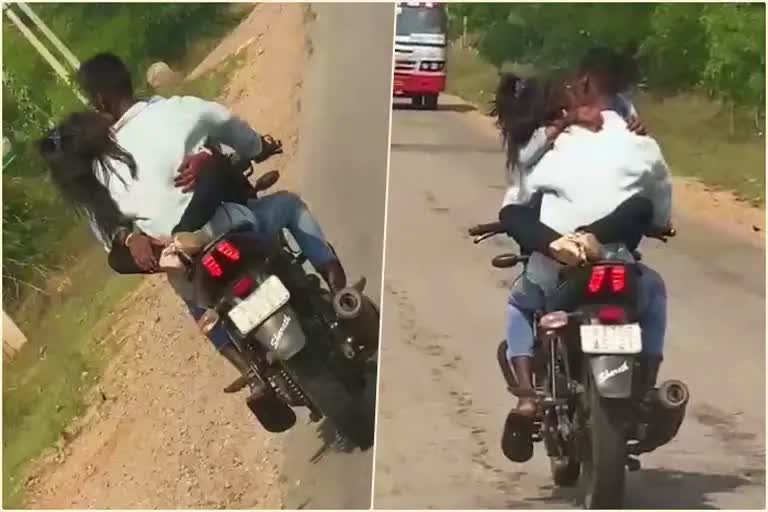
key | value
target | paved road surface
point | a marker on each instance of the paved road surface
(442, 399)
(343, 157)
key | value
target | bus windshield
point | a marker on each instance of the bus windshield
(421, 20)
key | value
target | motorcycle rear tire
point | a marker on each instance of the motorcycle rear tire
(565, 470)
(604, 471)
(344, 409)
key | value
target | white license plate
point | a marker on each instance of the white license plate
(270, 296)
(611, 339)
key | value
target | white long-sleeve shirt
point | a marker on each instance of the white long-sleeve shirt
(531, 152)
(158, 134)
(586, 175)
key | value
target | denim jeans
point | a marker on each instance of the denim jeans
(526, 298)
(286, 210)
(273, 213)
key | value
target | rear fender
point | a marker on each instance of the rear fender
(612, 375)
(282, 334)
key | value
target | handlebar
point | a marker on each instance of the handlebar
(661, 234)
(484, 231)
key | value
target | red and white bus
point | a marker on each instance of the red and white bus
(420, 48)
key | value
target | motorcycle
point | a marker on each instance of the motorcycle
(598, 406)
(307, 346)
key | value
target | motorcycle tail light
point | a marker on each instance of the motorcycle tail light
(612, 315)
(618, 278)
(616, 275)
(212, 266)
(229, 250)
(243, 287)
(597, 279)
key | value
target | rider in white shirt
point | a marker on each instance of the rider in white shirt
(589, 173)
(125, 177)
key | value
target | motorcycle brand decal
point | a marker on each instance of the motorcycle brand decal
(608, 374)
(275, 341)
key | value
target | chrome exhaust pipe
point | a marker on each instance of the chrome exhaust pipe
(673, 394)
(348, 303)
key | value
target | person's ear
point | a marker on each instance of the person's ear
(98, 102)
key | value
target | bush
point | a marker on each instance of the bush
(715, 48)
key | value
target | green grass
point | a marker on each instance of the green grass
(45, 384)
(693, 132)
(471, 77)
(42, 394)
(695, 137)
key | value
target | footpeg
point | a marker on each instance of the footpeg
(238, 384)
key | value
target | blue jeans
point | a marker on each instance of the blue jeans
(273, 213)
(526, 298)
(286, 210)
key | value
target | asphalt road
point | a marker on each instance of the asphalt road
(442, 399)
(345, 110)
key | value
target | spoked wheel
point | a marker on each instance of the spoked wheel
(605, 453)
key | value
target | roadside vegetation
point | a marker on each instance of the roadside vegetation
(56, 284)
(702, 72)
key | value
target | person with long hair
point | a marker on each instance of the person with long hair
(594, 181)
(532, 112)
(143, 172)
(80, 153)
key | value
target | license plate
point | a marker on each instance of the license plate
(270, 296)
(611, 339)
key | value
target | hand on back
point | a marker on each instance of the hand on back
(144, 250)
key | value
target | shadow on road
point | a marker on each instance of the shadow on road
(659, 488)
(326, 432)
(460, 108)
(681, 489)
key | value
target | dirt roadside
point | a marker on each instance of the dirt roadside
(161, 434)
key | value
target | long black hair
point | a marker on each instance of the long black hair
(522, 105)
(79, 153)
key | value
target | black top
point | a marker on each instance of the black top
(625, 225)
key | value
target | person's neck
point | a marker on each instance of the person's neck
(603, 102)
(123, 106)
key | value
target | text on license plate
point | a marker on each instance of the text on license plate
(270, 296)
(611, 339)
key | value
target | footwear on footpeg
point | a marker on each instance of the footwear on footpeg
(517, 438)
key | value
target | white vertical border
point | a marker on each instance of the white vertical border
(382, 290)
(765, 324)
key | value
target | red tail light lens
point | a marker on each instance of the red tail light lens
(243, 287)
(228, 250)
(617, 275)
(596, 279)
(618, 278)
(611, 315)
(212, 266)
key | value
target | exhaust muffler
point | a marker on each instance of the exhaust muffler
(672, 394)
(348, 303)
